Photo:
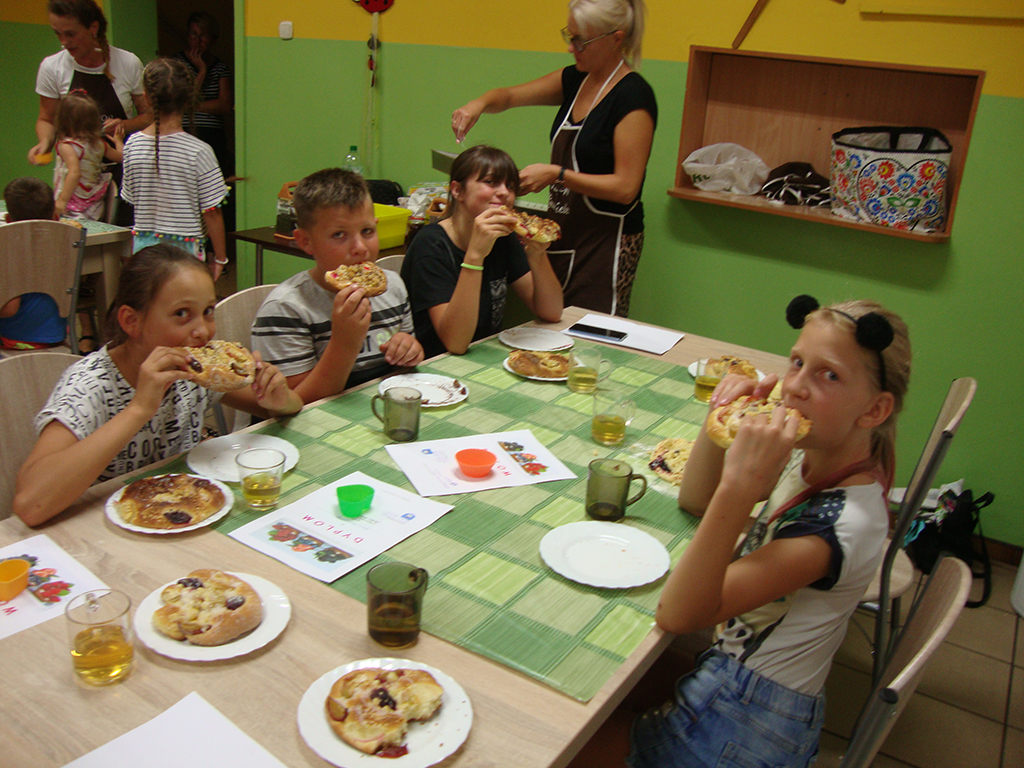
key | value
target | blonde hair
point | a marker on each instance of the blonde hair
(896, 374)
(597, 17)
(78, 116)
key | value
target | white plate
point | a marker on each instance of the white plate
(277, 610)
(604, 554)
(692, 369)
(534, 378)
(216, 458)
(436, 390)
(115, 517)
(535, 339)
(429, 741)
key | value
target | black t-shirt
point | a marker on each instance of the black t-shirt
(431, 271)
(595, 147)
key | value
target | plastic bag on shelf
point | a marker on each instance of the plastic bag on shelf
(726, 168)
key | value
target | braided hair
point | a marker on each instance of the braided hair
(86, 13)
(169, 89)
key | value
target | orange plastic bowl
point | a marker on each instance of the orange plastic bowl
(475, 462)
(13, 578)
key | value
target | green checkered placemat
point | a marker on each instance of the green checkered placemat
(489, 590)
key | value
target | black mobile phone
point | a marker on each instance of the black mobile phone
(593, 330)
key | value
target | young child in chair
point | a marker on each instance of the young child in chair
(135, 401)
(30, 321)
(323, 340)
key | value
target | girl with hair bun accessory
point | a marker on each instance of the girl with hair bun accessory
(781, 602)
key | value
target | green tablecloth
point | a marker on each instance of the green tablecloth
(489, 590)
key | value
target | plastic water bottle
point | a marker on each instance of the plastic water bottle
(352, 161)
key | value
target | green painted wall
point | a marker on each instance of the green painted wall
(302, 102)
(961, 299)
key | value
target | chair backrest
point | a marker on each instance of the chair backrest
(43, 257)
(961, 393)
(26, 381)
(929, 621)
(235, 314)
(394, 262)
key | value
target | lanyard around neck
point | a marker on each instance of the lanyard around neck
(828, 482)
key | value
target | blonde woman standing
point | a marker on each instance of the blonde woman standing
(600, 143)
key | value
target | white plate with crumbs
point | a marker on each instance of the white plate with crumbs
(535, 339)
(277, 610)
(435, 390)
(601, 554)
(428, 741)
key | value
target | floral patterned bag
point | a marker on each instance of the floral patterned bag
(891, 176)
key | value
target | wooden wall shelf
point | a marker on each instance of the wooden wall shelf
(786, 108)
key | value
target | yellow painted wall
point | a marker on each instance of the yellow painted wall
(808, 27)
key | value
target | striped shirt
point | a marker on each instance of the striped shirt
(189, 182)
(293, 326)
(210, 90)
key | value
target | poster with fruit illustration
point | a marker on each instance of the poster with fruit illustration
(519, 459)
(54, 577)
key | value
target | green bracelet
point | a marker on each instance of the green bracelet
(473, 267)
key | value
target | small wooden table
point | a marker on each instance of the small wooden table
(265, 237)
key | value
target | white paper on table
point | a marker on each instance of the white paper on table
(433, 470)
(54, 578)
(311, 536)
(656, 340)
(212, 740)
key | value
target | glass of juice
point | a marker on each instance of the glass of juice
(260, 471)
(709, 373)
(100, 635)
(588, 368)
(613, 411)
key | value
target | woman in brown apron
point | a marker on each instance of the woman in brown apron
(111, 76)
(600, 142)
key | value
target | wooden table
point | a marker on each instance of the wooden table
(264, 238)
(105, 252)
(50, 719)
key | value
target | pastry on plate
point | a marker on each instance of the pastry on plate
(543, 365)
(208, 607)
(668, 459)
(169, 501)
(370, 708)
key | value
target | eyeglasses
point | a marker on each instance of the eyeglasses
(574, 42)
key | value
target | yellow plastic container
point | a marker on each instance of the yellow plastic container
(391, 223)
(13, 578)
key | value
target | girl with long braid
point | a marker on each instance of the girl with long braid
(171, 177)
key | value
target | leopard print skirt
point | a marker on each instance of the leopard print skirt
(630, 248)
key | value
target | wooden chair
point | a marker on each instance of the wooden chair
(26, 381)
(393, 262)
(930, 619)
(235, 314)
(883, 596)
(43, 257)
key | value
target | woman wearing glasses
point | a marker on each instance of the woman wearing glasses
(600, 142)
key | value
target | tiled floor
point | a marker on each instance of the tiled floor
(968, 711)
